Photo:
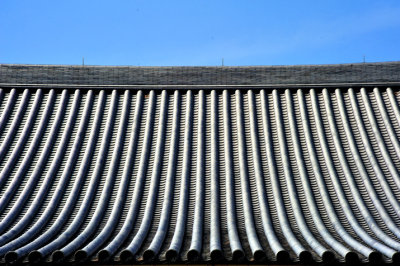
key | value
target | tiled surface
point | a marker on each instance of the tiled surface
(257, 75)
(261, 176)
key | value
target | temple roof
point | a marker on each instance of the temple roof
(124, 165)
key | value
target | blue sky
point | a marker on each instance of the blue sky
(191, 32)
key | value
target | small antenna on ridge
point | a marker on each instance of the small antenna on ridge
(83, 60)
(222, 61)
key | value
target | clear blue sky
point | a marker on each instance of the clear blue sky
(191, 32)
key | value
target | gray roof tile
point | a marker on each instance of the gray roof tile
(258, 175)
